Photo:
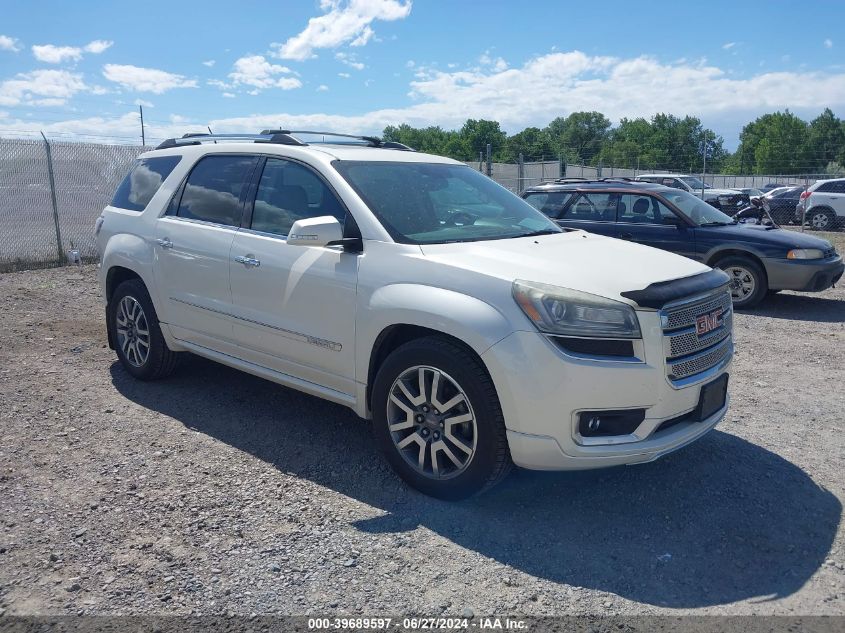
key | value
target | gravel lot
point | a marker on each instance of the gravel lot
(217, 492)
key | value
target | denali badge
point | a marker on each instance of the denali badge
(708, 322)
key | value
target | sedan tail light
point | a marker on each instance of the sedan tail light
(805, 195)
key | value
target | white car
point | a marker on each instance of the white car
(473, 331)
(728, 200)
(823, 204)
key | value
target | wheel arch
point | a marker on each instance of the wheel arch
(394, 336)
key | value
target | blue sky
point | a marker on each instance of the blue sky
(357, 65)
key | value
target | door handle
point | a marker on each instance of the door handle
(165, 242)
(248, 260)
(626, 236)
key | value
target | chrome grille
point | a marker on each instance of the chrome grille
(687, 353)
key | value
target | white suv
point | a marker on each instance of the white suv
(472, 330)
(823, 204)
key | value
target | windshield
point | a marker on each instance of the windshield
(696, 209)
(694, 182)
(433, 203)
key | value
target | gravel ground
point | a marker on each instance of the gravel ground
(216, 492)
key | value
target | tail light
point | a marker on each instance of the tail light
(804, 195)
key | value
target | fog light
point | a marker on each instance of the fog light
(607, 423)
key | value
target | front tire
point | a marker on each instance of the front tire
(748, 281)
(437, 419)
(137, 337)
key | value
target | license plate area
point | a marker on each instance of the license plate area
(711, 399)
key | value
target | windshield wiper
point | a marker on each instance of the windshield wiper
(540, 232)
(716, 223)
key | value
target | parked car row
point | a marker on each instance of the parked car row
(759, 259)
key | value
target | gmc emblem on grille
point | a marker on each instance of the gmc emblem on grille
(708, 322)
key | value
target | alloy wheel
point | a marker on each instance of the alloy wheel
(820, 221)
(742, 282)
(133, 332)
(431, 422)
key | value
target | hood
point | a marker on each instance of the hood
(577, 260)
(765, 236)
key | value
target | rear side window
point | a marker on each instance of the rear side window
(551, 203)
(143, 181)
(832, 187)
(593, 207)
(638, 209)
(213, 190)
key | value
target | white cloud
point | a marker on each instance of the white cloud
(322, 88)
(728, 45)
(52, 54)
(56, 54)
(143, 102)
(572, 81)
(209, 63)
(146, 79)
(41, 88)
(350, 60)
(344, 23)
(828, 43)
(498, 64)
(9, 44)
(256, 71)
(98, 46)
(344, 75)
(229, 95)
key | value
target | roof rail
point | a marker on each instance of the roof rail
(280, 137)
(196, 138)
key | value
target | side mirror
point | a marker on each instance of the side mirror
(321, 231)
(674, 221)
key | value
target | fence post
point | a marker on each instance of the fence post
(561, 167)
(520, 173)
(489, 158)
(59, 247)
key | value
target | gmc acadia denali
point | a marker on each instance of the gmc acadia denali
(472, 330)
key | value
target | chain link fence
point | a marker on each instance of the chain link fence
(50, 195)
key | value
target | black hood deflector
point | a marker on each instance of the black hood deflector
(659, 294)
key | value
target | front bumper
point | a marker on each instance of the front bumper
(542, 390)
(806, 275)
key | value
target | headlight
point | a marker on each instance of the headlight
(805, 253)
(567, 312)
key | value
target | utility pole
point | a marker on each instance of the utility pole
(143, 137)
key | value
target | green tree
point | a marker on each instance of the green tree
(774, 144)
(825, 140)
(477, 134)
(580, 136)
(533, 143)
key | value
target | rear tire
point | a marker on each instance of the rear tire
(748, 281)
(822, 219)
(419, 392)
(136, 333)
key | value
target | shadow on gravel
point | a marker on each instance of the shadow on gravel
(720, 521)
(801, 308)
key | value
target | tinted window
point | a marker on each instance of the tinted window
(551, 203)
(213, 190)
(832, 187)
(288, 192)
(142, 182)
(594, 207)
(638, 209)
(431, 203)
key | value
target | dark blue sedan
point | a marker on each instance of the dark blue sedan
(759, 259)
